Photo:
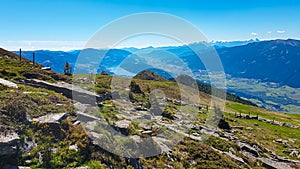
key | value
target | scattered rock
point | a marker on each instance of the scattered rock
(8, 83)
(248, 148)
(73, 147)
(43, 93)
(147, 132)
(294, 153)
(249, 128)
(196, 127)
(196, 134)
(292, 140)
(145, 126)
(167, 166)
(147, 116)
(95, 137)
(286, 125)
(27, 144)
(161, 142)
(155, 127)
(40, 157)
(136, 138)
(268, 163)
(123, 124)
(85, 167)
(9, 142)
(230, 154)
(15, 167)
(140, 108)
(51, 118)
(231, 150)
(54, 150)
(278, 140)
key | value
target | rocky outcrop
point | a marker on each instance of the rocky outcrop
(9, 142)
(8, 83)
(70, 91)
(269, 163)
(51, 118)
(248, 148)
(27, 144)
(123, 126)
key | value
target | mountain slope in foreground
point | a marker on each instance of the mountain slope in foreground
(40, 128)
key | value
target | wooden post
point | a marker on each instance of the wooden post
(20, 54)
(33, 58)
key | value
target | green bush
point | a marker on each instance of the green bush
(169, 113)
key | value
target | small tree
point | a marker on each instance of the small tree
(67, 69)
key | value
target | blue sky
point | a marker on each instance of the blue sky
(67, 24)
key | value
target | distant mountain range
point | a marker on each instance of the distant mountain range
(217, 44)
(233, 43)
(271, 61)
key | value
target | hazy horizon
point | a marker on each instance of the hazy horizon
(51, 45)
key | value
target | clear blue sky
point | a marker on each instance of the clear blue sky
(36, 22)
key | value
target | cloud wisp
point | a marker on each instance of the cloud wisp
(42, 45)
(281, 31)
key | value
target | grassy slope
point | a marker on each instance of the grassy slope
(187, 154)
(26, 101)
(13, 69)
(262, 134)
(233, 107)
(33, 101)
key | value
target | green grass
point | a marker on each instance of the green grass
(187, 154)
(14, 70)
(47, 139)
(277, 116)
(34, 101)
(221, 144)
(264, 134)
(191, 154)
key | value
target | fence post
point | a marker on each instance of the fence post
(33, 58)
(20, 55)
